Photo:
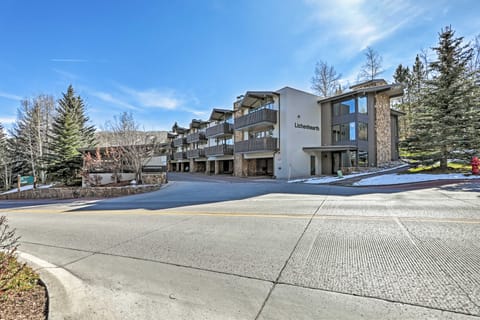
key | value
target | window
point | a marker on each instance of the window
(261, 134)
(362, 131)
(352, 135)
(266, 105)
(363, 159)
(344, 108)
(344, 132)
(362, 105)
(336, 133)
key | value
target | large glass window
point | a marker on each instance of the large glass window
(344, 132)
(344, 108)
(362, 131)
(336, 133)
(362, 105)
(352, 134)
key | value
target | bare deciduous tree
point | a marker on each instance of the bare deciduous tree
(373, 65)
(31, 135)
(136, 146)
(325, 79)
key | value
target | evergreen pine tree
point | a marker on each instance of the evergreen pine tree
(70, 132)
(446, 114)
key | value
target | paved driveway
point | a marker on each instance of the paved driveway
(228, 249)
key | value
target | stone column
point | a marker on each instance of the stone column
(217, 166)
(383, 129)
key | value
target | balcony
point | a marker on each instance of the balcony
(179, 156)
(179, 142)
(220, 130)
(257, 118)
(197, 153)
(220, 150)
(196, 137)
(256, 145)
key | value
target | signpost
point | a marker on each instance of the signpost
(25, 180)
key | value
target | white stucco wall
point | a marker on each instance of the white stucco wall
(301, 108)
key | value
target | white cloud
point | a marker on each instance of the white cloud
(10, 96)
(199, 113)
(107, 97)
(153, 98)
(68, 60)
(7, 120)
(360, 23)
(66, 74)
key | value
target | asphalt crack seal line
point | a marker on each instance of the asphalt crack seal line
(288, 259)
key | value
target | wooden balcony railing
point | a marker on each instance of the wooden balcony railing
(220, 150)
(256, 145)
(196, 137)
(179, 156)
(179, 142)
(197, 153)
(257, 118)
(222, 129)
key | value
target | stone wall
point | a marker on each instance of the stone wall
(383, 129)
(154, 178)
(74, 193)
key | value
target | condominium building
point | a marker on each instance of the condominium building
(290, 133)
(219, 151)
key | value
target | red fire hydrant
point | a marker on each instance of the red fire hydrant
(475, 165)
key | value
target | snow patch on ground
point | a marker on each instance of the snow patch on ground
(409, 178)
(29, 187)
(328, 179)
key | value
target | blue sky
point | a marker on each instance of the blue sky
(168, 61)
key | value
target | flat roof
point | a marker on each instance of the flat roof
(394, 90)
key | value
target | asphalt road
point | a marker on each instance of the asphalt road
(214, 248)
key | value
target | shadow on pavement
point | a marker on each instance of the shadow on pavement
(186, 193)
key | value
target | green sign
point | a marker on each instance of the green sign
(26, 180)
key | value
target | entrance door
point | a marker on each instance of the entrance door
(313, 160)
(336, 160)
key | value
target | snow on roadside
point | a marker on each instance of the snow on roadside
(409, 178)
(323, 180)
(24, 188)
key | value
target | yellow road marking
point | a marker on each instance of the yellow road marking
(167, 212)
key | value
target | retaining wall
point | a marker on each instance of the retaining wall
(73, 193)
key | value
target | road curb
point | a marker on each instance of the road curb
(66, 292)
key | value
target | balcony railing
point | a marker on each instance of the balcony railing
(179, 156)
(197, 153)
(179, 142)
(256, 145)
(257, 118)
(222, 129)
(196, 137)
(220, 150)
